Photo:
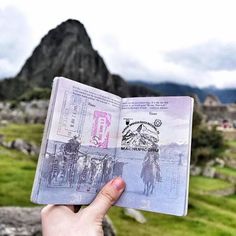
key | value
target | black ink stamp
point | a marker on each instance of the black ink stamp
(140, 135)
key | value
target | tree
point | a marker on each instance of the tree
(206, 142)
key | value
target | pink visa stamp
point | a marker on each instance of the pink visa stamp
(100, 129)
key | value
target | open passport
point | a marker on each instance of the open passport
(92, 136)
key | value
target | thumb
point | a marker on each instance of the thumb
(108, 195)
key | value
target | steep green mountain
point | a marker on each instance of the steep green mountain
(66, 51)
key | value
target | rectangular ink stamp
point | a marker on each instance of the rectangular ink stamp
(100, 129)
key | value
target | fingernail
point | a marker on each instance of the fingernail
(118, 183)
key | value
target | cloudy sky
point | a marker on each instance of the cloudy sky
(185, 41)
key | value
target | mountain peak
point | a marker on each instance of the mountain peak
(65, 51)
(72, 29)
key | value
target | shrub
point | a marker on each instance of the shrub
(206, 144)
(201, 155)
(35, 94)
(204, 137)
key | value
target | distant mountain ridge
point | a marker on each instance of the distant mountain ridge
(67, 51)
(174, 89)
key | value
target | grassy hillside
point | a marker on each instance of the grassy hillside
(208, 214)
(16, 177)
(202, 185)
(227, 171)
(30, 132)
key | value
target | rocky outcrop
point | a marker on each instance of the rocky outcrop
(230, 161)
(18, 221)
(229, 178)
(28, 148)
(23, 146)
(209, 172)
(135, 214)
(195, 170)
(23, 112)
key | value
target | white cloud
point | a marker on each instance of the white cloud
(210, 56)
(14, 41)
(222, 78)
(6, 68)
(133, 36)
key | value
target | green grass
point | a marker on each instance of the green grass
(231, 149)
(200, 184)
(232, 196)
(28, 132)
(208, 214)
(16, 177)
(231, 143)
(226, 171)
(231, 154)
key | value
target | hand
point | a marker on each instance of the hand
(61, 220)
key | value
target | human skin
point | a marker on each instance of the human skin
(61, 220)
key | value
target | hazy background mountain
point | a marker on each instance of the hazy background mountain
(226, 95)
